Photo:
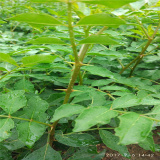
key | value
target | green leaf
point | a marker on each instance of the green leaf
(1, 22)
(98, 39)
(13, 143)
(30, 132)
(44, 153)
(87, 153)
(66, 110)
(3, 69)
(148, 143)
(46, 40)
(76, 140)
(125, 101)
(12, 101)
(34, 18)
(116, 88)
(35, 59)
(46, 1)
(5, 126)
(133, 128)
(146, 98)
(92, 116)
(99, 71)
(109, 3)
(6, 58)
(101, 20)
(111, 141)
(25, 85)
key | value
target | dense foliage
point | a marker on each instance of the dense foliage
(77, 73)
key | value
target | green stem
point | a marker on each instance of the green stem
(85, 47)
(144, 30)
(77, 66)
(157, 120)
(128, 65)
(141, 55)
(24, 119)
(138, 61)
(71, 32)
(9, 72)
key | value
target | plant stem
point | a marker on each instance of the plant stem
(71, 32)
(141, 54)
(9, 72)
(128, 65)
(77, 66)
(157, 120)
(85, 47)
(24, 119)
(144, 30)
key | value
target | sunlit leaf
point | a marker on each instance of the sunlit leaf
(12, 101)
(7, 58)
(101, 20)
(34, 18)
(133, 128)
(92, 116)
(35, 59)
(98, 39)
(66, 110)
(46, 40)
(5, 126)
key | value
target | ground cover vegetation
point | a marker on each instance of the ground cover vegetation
(77, 73)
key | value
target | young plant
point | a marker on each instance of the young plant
(79, 73)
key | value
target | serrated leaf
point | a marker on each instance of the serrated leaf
(148, 143)
(6, 58)
(46, 40)
(156, 110)
(125, 101)
(66, 110)
(101, 20)
(133, 128)
(111, 141)
(12, 101)
(116, 88)
(5, 126)
(92, 116)
(13, 143)
(34, 18)
(35, 59)
(44, 153)
(99, 71)
(30, 132)
(76, 140)
(25, 85)
(98, 39)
